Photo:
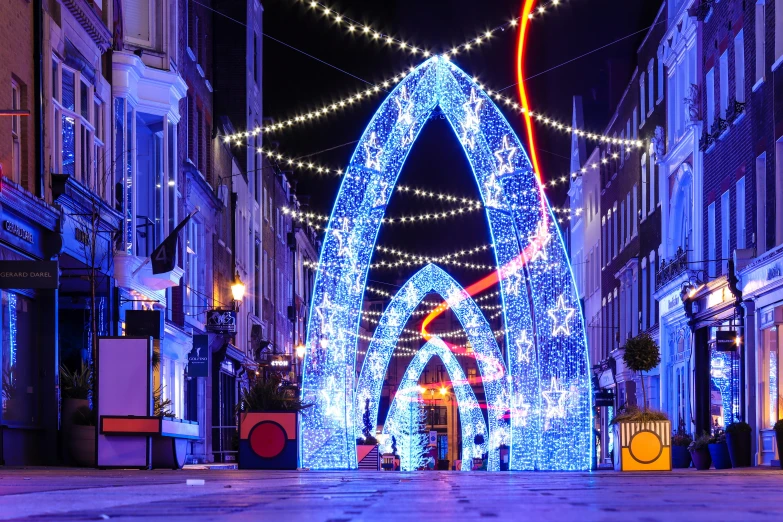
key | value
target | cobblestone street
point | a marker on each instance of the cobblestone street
(77, 494)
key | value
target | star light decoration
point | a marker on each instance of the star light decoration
(471, 417)
(540, 240)
(327, 442)
(525, 348)
(555, 398)
(472, 122)
(561, 317)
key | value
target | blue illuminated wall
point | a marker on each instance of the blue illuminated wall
(488, 356)
(546, 348)
(470, 416)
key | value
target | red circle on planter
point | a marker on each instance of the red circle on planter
(267, 439)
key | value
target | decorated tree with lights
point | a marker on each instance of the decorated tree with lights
(411, 434)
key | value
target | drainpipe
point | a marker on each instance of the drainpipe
(40, 189)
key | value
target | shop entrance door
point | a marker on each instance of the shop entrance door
(224, 424)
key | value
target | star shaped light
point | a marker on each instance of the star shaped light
(493, 192)
(540, 239)
(373, 151)
(504, 156)
(524, 348)
(470, 126)
(404, 106)
(561, 315)
(555, 398)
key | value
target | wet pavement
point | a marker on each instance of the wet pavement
(687, 495)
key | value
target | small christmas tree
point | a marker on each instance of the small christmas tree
(412, 429)
(368, 430)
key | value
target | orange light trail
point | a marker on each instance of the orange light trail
(495, 277)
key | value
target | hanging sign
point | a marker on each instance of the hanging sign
(221, 321)
(198, 358)
(726, 341)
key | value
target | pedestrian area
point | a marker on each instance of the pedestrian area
(688, 495)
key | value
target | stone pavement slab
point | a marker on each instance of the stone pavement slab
(235, 495)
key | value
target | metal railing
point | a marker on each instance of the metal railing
(670, 270)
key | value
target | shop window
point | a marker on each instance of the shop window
(20, 386)
(772, 365)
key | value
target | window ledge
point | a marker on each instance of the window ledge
(200, 70)
(209, 85)
(191, 54)
(777, 63)
(757, 85)
(652, 109)
(659, 100)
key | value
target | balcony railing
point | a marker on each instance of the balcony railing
(670, 270)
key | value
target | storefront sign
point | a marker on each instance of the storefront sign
(198, 358)
(221, 321)
(605, 378)
(29, 274)
(726, 340)
(604, 399)
(279, 361)
(15, 230)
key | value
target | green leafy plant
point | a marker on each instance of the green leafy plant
(701, 442)
(160, 405)
(83, 416)
(634, 414)
(735, 428)
(681, 437)
(268, 395)
(642, 355)
(778, 427)
(719, 437)
(76, 384)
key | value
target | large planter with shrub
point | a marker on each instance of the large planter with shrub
(738, 438)
(268, 440)
(700, 452)
(719, 452)
(644, 445)
(268, 424)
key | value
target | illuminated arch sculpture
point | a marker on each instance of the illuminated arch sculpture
(471, 418)
(489, 359)
(546, 346)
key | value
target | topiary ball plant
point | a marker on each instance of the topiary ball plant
(641, 355)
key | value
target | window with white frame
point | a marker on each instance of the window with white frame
(760, 32)
(635, 212)
(644, 294)
(761, 204)
(16, 133)
(653, 302)
(143, 23)
(724, 83)
(778, 33)
(739, 67)
(643, 97)
(628, 134)
(628, 218)
(635, 124)
(740, 212)
(725, 216)
(644, 185)
(661, 79)
(622, 224)
(651, 86)
(195, 292)
(651, 163)
(710, 86)
(78, 139)
(614, 232)
(712, 253)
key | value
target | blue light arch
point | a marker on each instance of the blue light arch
(546, 348)
(472, 421)
(489, 358)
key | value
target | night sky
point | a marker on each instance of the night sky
(295, 83)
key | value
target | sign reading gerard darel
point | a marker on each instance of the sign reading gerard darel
(29, 274)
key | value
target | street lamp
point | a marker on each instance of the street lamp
(237, 290)
(300, 351)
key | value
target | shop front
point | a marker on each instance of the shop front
(29, 245)
(762, 290)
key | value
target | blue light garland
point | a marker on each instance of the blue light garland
(488, 356)
(546, 344)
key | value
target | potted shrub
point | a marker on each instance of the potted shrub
(81, 440)
(779, 437)
(719, 451)
(700, 452)
(367, 455)
(268, 424)
(643, 434)
(681, 441)
(738, 435)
